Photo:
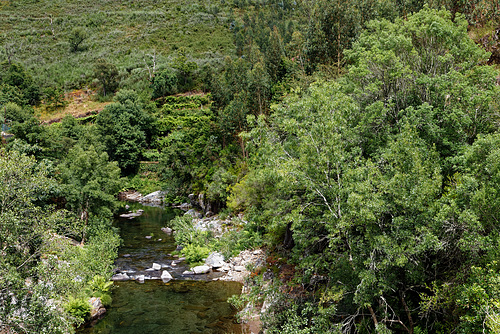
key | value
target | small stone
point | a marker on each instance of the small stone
(148, 237)
(127, 207)
(167, 230)
(150, 269)
(188, 272)
(120, 277)
(127, 255)
(239, 268)
(156, 266)
(159, 239)
(201, 269)
(140, 278)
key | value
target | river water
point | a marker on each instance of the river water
(186, 304)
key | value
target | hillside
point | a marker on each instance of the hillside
(39, 35)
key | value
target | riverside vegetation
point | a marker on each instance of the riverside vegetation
(359, 139)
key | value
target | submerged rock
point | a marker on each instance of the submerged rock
(167, 230)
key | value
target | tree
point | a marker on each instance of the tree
(25, 224)
(125, 128)
(185, 68)
(106, 75)
(91, 182)
(76, 38)
(164, 83)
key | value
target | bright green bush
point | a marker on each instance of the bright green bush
(79, 308)
(195, 254)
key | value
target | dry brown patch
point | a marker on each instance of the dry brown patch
(80, 104)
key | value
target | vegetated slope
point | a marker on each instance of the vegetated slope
(60, 40)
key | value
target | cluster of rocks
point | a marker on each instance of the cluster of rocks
(154, 199)
(129, 274)
(132, 215)
(213, 223)
(237, 268)
(97, 310)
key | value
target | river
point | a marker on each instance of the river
(186, 304)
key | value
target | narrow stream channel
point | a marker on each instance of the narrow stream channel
(186, 304)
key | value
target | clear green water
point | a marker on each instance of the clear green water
(187, 304)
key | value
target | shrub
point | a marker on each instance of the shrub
(78, 308)
(194, 253)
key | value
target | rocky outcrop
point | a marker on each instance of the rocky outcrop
(132, 215)
(200, 270)
(154, 199)
(237, 268)
(97, 310)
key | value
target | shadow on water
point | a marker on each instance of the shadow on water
(186, 304)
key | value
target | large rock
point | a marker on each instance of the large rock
(155, 197)
(165, 276)
(96, 308)
(201, 269)
(215, 260)
(131, 215)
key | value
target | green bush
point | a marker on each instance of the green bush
(78, 308)
(195, 254)
(99, 284)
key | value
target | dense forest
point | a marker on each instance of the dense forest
(359, 140)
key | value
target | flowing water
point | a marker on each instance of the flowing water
(186, 304)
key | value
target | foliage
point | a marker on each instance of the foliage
(79, 308)
(106, 75)
(126, 129)
(26, 222)
(195, 254)
(91, 182)
(164, 83)
(351, 171)
(76, 38)
(17, 85)
(187, 234)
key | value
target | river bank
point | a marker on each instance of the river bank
(183, 304)
(235, 268)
